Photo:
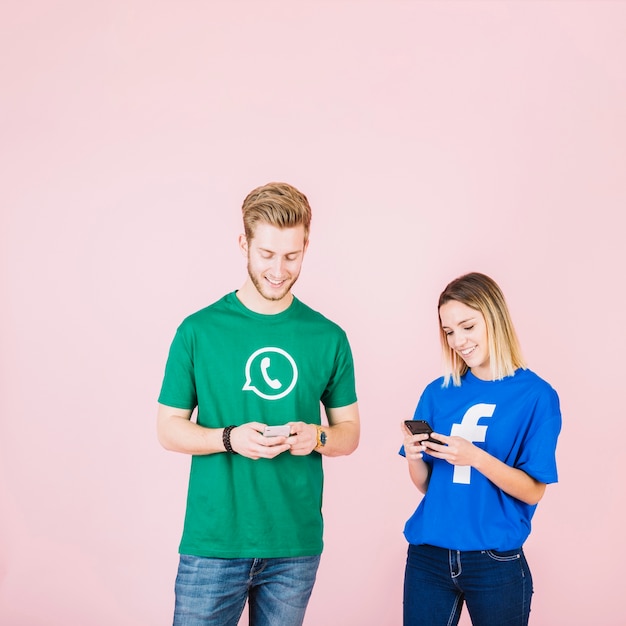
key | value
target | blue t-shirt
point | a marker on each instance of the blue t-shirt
(517, 420)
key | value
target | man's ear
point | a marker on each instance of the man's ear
(243, 244)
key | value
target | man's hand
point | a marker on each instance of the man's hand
(248, 441)
(303, 438)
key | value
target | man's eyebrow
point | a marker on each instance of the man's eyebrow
(286, 253)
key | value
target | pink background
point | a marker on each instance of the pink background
(432, 138)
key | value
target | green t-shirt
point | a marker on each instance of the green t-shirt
(238, 366)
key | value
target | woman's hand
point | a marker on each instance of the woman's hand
(413, 444)
(515, 482)
(414, 450)
(456, 451)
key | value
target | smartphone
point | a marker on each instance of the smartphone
(277, 431)
(417, 427)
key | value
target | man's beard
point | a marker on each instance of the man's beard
(262, 288)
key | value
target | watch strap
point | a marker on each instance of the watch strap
(321, 437)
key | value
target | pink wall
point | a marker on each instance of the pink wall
(432, 138)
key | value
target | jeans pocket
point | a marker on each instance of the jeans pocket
(504, 556)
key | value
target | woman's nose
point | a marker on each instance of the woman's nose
(459, 340)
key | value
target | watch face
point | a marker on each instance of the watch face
(323, 438)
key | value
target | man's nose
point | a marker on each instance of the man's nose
(278, 267)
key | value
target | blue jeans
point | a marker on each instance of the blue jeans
(496, 586)
(214, 591)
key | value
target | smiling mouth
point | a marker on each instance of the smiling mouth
(274, 282)
(467, 352)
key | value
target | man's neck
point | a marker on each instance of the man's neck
(253, 300)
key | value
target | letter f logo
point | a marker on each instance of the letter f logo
(470, 430)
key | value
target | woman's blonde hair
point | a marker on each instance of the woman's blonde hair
(277, 204)
(482, 294)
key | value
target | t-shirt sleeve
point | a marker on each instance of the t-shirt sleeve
(341, 389)
(179, 387)
(538, 454)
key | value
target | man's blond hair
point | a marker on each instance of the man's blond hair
(277, 204)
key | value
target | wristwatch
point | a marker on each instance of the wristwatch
(321, 437)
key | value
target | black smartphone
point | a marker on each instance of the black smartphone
(417, 427)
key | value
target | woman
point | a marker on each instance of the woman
(498, 425)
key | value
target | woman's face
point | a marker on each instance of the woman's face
(466, 331)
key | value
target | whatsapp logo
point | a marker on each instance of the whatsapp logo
(271, 373)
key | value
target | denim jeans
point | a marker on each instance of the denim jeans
(214, 591)
(496, 586)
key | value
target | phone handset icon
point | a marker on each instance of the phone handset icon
(274, 383)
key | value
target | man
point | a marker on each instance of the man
(257, 357)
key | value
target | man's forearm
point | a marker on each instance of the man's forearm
(341, 439)
(178, 434)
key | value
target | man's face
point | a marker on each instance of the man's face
(274, 259)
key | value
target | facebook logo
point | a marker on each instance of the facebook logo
(470, 430)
